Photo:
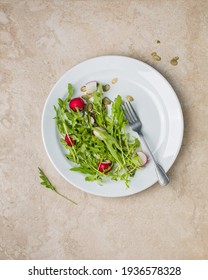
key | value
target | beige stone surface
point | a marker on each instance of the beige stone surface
(41, 40)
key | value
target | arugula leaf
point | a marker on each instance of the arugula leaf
(70, 91)
(99, 109)
(45, 182)
(110, 143)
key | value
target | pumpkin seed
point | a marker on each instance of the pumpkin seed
(155, 56)
(90, 107)
(85, 97)
(83, 88)
(89, 95)
(174, 61)
(129, 98)
(86, 107)
(115, 80)
(106, 87)
(106, 101)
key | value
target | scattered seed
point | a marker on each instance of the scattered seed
(106, 87)
(114, 80)
(129, 98)
(155, 56)
(90, 107)
(83, 88)
(89, 95)
(106, 101)
(85, 97)
(158, 41)
(86, 107)
(174, 61)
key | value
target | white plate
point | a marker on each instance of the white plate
(154, 100)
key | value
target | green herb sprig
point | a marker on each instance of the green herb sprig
(45, 182)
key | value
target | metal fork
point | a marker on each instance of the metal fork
(136, 125)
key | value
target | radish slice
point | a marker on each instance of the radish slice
(91, 86)
(143, 158)
(104, 167)
(70, 141)
(92, 120)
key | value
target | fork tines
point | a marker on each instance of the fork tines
(129, 112)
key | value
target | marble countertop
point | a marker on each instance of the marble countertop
(40, 41)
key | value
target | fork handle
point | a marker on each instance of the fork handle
(163, 179)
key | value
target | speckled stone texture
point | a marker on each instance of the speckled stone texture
(41, 40)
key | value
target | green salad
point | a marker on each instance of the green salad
(93, 131)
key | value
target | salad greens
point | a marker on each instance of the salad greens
(45, 182)
(99, 135)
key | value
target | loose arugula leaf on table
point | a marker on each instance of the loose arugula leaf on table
(45, 182)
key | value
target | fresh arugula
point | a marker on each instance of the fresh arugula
(114, 143)
(45, 182)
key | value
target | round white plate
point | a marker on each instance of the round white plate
(154, 100)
